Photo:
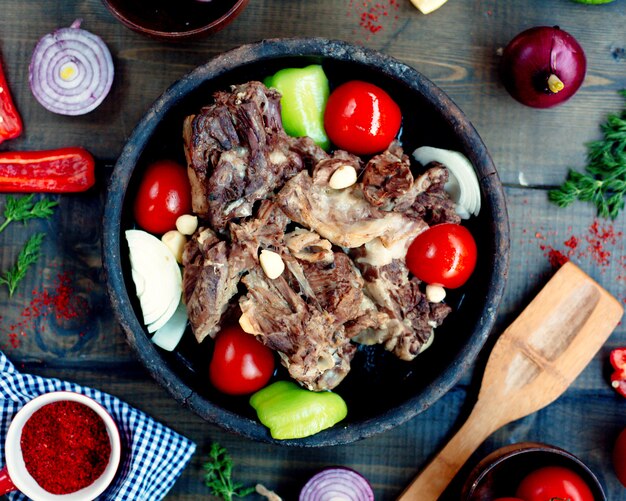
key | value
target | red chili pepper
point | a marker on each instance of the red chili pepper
(618, 378)
(10, 120)
(52, 171)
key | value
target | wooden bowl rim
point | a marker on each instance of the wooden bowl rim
(496, 458)
(212, 27)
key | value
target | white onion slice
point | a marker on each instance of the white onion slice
(168, 336)
(157, 278)
(71, 71)
(462, 185)
(337, 484)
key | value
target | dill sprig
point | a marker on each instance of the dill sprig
(27, 256)
(604, 182)
(218, 475)
(24, 208)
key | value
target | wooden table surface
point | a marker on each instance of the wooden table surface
(456, 47)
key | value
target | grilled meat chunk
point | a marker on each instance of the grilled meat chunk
(301, 315)
(210, 278)
(342, 216)
(237, 153)
(432, 203)
(410, 318)
(387, 179)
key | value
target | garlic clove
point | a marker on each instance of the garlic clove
(246, 325)
(187, 224)
(272, 264)
(175, 242)
(343, 177)
(435, 293)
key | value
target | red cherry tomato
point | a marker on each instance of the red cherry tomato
(361, 118)
(554, 482)
(444, 254)
(240, 364)
(164, 194)
(619, 457)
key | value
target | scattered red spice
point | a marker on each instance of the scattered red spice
(557, 258)
(601, 245)
(373, 16)
(65, 446)
(62, 303)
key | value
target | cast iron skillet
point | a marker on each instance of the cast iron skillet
(381, 391)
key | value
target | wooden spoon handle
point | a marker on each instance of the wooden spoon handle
(434, 479)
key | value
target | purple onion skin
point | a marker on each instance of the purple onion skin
(532, 56)
(337, 483)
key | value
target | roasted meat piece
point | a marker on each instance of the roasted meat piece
(237, 153)
(387, 179)
(342, 216)
(432, 203)
(315, 353)
(301, 315)
(410, 318)
(211, 274)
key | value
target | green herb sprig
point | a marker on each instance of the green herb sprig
(604, 182)
(23, 209)
(27, 256)
(218, 475)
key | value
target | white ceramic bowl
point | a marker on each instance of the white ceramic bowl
(16, 467)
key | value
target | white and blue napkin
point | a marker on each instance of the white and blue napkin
(153, 456)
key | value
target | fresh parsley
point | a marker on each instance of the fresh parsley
(23, 209)
(218, 475)
(604, 182)
(27, 256)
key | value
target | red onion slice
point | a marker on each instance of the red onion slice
(337, 484)
(71, 71)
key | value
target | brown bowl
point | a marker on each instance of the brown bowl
(499, 474)
(175, 20)
(399, 389)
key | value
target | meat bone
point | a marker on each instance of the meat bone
(532, 363)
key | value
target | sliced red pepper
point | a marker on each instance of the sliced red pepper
(618, 378)
(64, 170)
(10, 120)
(618, 358)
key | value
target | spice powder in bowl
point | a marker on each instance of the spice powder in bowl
(61, 445)
(65, 446)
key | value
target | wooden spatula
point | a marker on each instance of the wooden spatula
(531, 365)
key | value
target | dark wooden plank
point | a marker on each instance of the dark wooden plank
(457, 48)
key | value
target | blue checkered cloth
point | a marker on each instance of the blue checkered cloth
(153, 456)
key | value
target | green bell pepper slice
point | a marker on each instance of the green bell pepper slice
(304, 95)
(290, 411)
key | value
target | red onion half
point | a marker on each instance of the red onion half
(543, 66)
(71, 71)
(337, 484)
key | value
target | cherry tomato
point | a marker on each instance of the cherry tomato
(444, 254)
(361, 118)
(619, 457)
(164, 194)
(554, 482)
(240, 364)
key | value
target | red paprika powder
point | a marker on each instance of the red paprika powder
(65, 446)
